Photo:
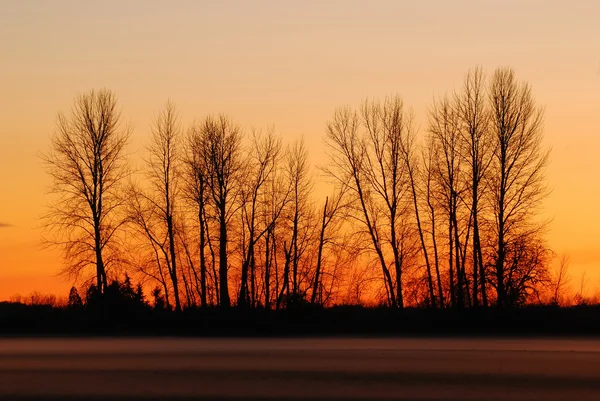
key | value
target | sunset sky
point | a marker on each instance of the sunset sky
(288, 65)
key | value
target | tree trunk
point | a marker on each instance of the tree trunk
(460, 297)
(451, 263)
(285, 287)
(319, 254)
(397, 265)
(213, 261)
(174, 277)
(422, 239)
(223, 282)
(476, 246)
(243, 294)
(203, 300)
(100, 273)
(267, 282)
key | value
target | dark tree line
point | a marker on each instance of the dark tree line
(217, 216)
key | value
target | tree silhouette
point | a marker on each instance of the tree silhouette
(75, 301)
(476, 144)
(445, 219)
(444, 128)
(221, 154)
(86, 162)
(261, 165)
(196, 176)
(369, 155)
(516, 182)
(164, 175)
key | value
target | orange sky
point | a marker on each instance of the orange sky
(288, 64)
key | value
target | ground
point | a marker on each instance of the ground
(294, 369)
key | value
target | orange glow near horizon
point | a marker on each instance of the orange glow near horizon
(288, 65)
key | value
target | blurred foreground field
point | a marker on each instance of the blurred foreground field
(295, 369)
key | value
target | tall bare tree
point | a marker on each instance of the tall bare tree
(298, 175)
(476, 151)
(516, 182)
(163, 173)
(262, 162)
(444, 128)
(86, 161)
(196, 190)
(221, 155)
(276, 198)
(330, 210)
(349, 165)
(414, 176)
(369, 154)
(432, 201)
(389, 132)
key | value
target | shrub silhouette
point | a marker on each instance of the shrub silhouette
(119, 300)
(75, 302)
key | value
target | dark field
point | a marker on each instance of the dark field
(321, 369)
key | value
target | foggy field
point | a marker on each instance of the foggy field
(332, 368)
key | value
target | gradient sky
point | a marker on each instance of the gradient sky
(288, 64)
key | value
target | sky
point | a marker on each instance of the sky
(288, 64)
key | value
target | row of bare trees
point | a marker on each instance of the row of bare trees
(215, 216)
(462, 208)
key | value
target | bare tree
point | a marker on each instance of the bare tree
(389, 136)
(221, 155)
(163, 175)
(275, 202)
(86, 161)
(476, 152)
(413, 172)
(262, 162)
(330, 209)
(561, 281)
(349, 165)
(516, 177)
(149, 245)
(196, 190)
(526, 268)
(444, 129)
(298, 176)
(372, 156)
(580, 297)
(430, 158)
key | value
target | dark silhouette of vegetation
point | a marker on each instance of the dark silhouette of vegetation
(86, 163)
(123, 310)
(118, 302)
(75, 302)
(444, 219)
